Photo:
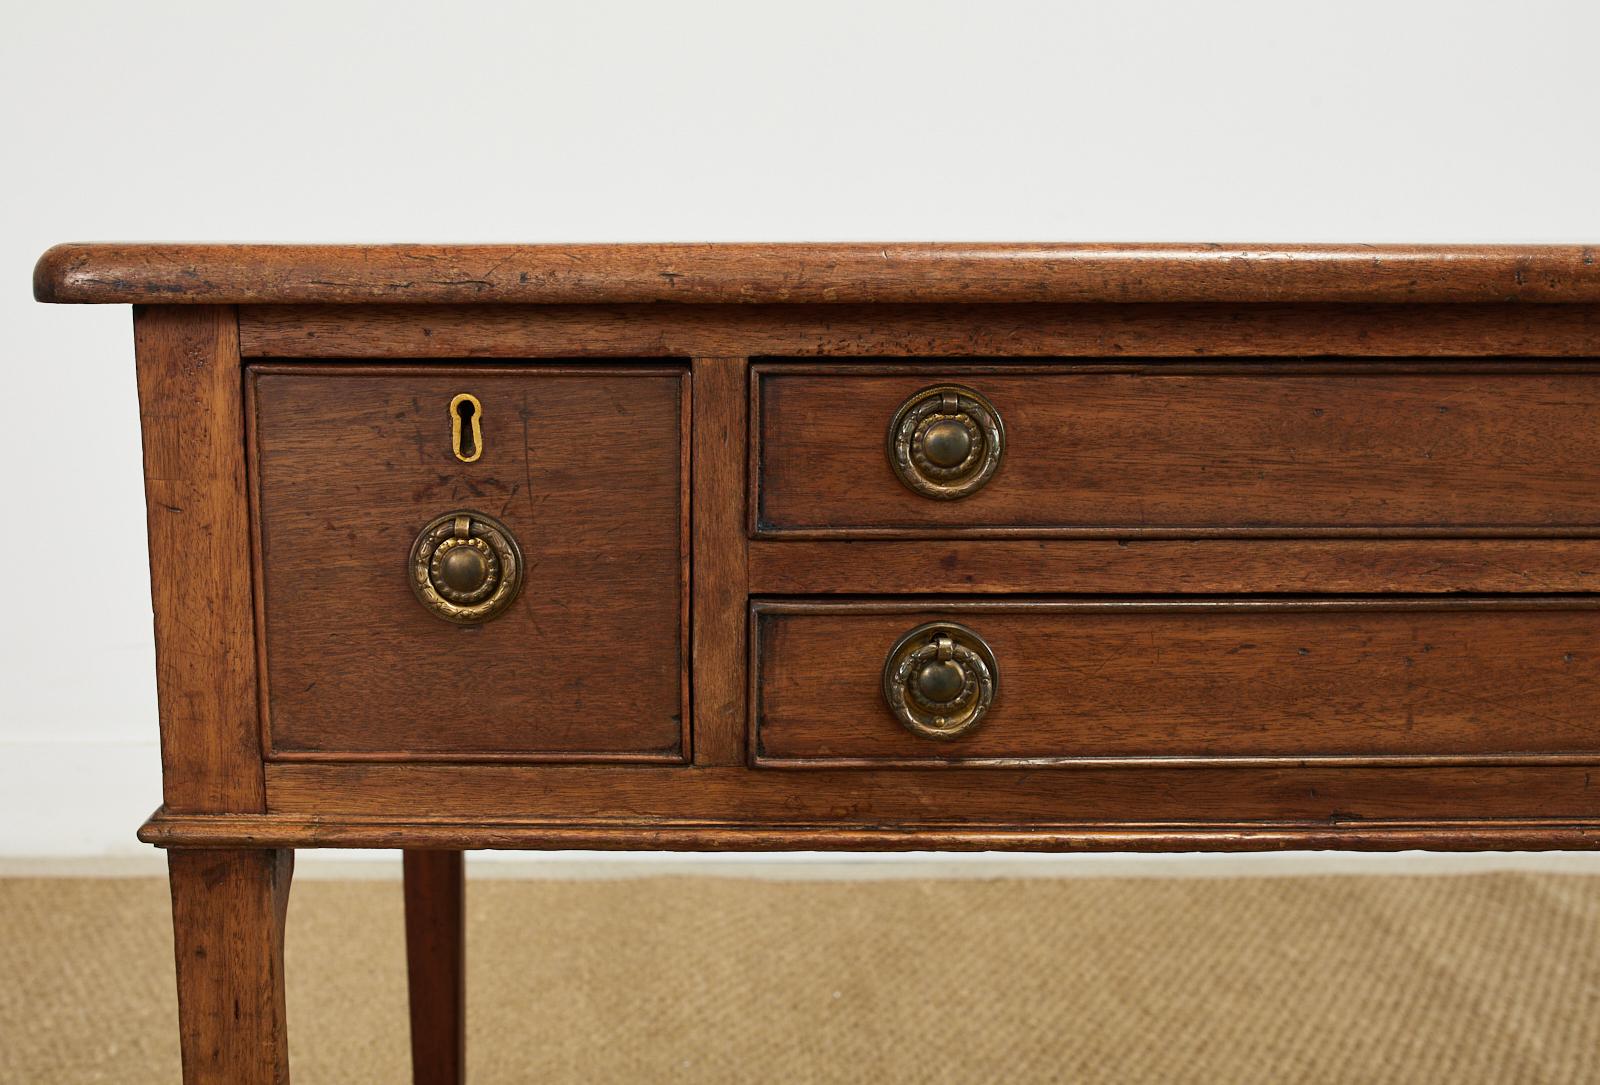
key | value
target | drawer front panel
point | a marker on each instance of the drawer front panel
(1377, 681)
(586, 469)
(1186, 450)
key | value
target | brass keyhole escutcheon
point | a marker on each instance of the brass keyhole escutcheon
(466, 427)
(940, 679)
(465, 567)
(946, 442)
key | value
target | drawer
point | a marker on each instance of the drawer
(1472, 680)
(583, 468)
(1176, 449)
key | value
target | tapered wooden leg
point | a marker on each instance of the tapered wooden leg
(228, 912)
(435, 965)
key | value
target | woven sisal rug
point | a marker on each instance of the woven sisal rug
(1457, 979)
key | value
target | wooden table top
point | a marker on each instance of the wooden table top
(246, 274)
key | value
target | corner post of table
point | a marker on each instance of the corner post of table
(228, 904)
(191, 408)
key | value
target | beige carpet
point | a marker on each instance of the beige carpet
(1333, 979)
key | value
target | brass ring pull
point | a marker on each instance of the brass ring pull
(946, 442)
(465, 567)
(940, 680)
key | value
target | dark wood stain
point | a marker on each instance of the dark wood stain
(1171, 566)
(815, 273)
(436, 979)
(229, 906)
(1354, 680)
(260, 831)
(720, 599)
(1094, 330)
(200, 584)
(630, 800)
(586, 467)
(1195, 450)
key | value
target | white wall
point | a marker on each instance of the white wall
(809, 120)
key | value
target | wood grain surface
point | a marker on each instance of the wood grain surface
(436, 981)
(228, 911)
(1170, 566)
(1193, 680)
(274, 830)
(631, 799)
(970, 330)
(1214, 441)
(720, 600)
(813, 273)
(588, 468)
(1189, 450)
(199, 524)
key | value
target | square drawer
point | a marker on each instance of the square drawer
(1175, 449)
(1487, 680)
(584, 468)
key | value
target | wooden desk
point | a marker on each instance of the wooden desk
(1039, 547)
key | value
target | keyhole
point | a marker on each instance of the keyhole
(466, 412)
(466, 428)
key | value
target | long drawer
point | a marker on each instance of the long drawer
(1490, 679)
(1175, 449)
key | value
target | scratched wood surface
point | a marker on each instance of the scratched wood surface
(1336, 833)
(436, 979)
(228, 912)
(199, 523)
(1389, 421)
(815, 273)
(630, 801)
(1196, 680)
(587, 468)
(1196, 450)
(1170, 566)
(720, 600)
(1154, 329)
